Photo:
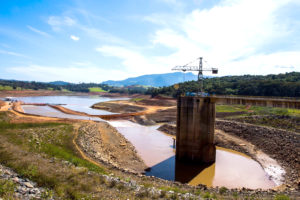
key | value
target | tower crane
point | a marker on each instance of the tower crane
(199, 69)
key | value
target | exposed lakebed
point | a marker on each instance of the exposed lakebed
(231, 169)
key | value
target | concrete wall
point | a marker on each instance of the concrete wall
(282, 103)
(195, 129)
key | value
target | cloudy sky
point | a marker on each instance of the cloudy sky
(98, 40)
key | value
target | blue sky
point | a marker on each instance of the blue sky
(97, 40)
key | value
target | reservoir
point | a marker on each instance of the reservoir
(232, 169)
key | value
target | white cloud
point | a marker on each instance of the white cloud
(101, 35)
(134, 62)
(38, 31)
(75, 38)
(173, 3)
(57, 22)
(13, 53)
(233, 30)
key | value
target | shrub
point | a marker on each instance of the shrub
(281, 197)
(223, 190)
(6, 188)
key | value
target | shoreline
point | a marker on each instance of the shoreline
(282, 188)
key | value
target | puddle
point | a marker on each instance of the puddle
(232, 169)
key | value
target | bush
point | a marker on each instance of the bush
(7, 188)
(281, 197)
(223, 190)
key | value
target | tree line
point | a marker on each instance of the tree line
(284, 85)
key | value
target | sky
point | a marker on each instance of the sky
(98, 40)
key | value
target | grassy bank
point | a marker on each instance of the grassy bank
(283, 118)
(96, 89)
(44, 153)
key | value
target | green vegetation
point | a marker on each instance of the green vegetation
(59, 145)
(284, 85)
(136, 99)
(231, 108)
(65, 154)
(44, 153)
(175, 189)
(96, 89)
(281, 197)
(283, 118)
(5, 88)
(223, 190)
(32, 85)
(258, 110)
(6, 189)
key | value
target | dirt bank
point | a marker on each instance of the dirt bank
(4, 105)
(118, 107)
(286, 122)
(104, 143)
(99, 141)
(150, 111)
(168, 128)
(281, 145)
(151, 180)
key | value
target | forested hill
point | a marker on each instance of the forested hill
(57, 85)
(285, 85)
(155, 80)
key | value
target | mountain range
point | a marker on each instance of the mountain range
(154, 80)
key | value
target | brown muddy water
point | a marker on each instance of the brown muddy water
(231, 169)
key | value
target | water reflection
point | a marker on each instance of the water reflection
(232, 169)
(185, 172)
(51, 112)
(77, 103)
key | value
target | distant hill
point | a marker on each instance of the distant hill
(59, 83)
(280, 85)
(155, 80)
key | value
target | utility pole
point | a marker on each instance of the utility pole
(199, 69)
